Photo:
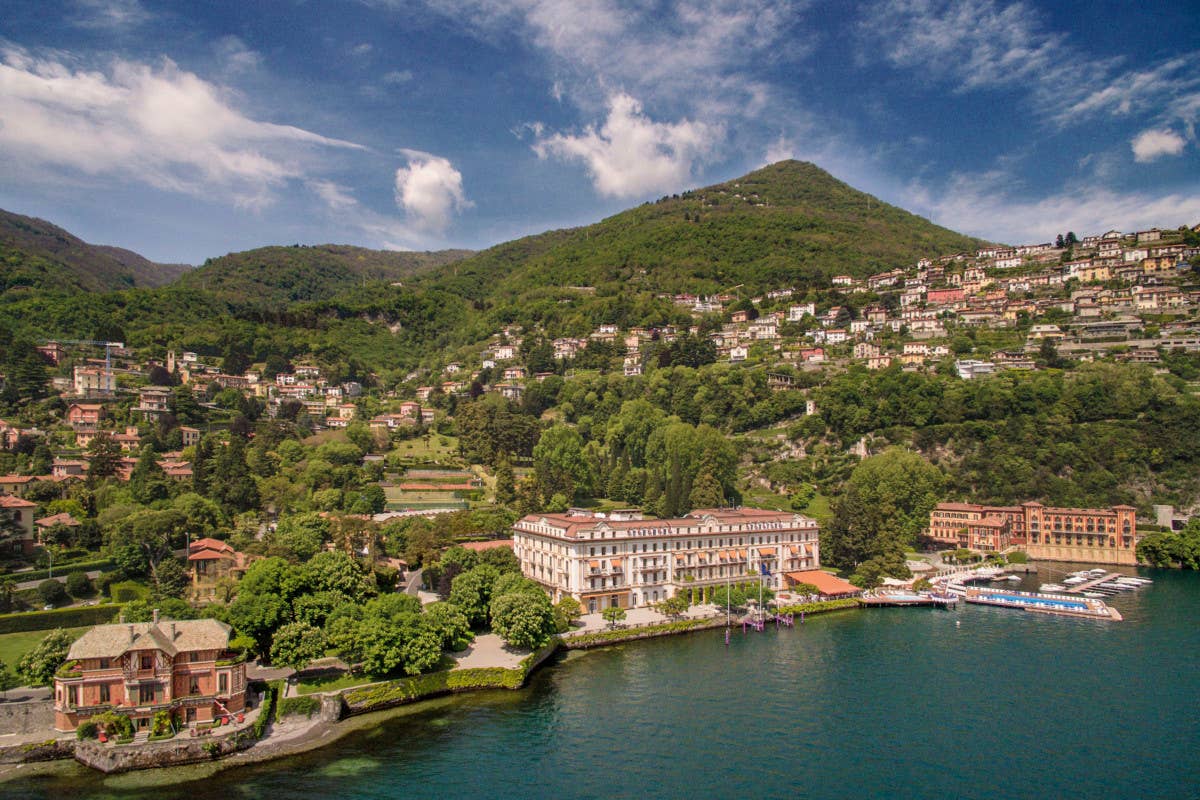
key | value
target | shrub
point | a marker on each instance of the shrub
(87, 729)
(1020, 557)
(52, 592)
(114, 724)
(79, 584)
(294, 706)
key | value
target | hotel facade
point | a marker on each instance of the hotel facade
(1048, 533)
(622, 559)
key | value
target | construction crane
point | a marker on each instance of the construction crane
(106, 345)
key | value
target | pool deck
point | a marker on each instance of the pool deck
(1057, 604)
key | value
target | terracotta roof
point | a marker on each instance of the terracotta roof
(57, 519)
(827, 584)
(111, 641)
(11, 501)
(210, 544)
(17, 478)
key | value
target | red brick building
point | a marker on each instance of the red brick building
(1100, 535)
(142, 668)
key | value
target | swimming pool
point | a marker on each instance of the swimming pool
(1039, 601)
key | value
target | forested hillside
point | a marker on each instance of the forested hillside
(34, 254)
(270, 276)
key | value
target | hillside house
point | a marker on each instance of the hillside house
(16, 525)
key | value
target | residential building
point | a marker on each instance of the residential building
(621, 559)
(1096, 535)
(139, 669)
(91, 381)
(210, 560)
(16, 525)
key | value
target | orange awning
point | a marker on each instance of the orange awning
(594, 564)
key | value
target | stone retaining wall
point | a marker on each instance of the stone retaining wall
(49, 750)
(33, 716)
(109, 758)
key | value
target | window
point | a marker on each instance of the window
(194, 684)
(104, 695)
(194, 655)
(147, 662)
(105, 663)
(223, 682)
(146, 694)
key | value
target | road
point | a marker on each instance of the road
(92, 574)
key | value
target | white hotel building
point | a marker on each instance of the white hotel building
(622, 559)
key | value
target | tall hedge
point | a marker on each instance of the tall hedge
(76, 617)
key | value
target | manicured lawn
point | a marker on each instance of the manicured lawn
(335, 682)
(15, 645)
(819, 509)
(434, 449)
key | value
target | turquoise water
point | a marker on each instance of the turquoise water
(981, 702)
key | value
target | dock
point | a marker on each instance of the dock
(1079, 588)
(895, 598)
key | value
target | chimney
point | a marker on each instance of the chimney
(172, 631)
(155, 616)
(131, 635)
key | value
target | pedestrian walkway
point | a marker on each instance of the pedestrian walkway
(592, 623)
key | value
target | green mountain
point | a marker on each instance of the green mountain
(274, 275)
(788, 224)
(35, 254)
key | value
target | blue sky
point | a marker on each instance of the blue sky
(188, 130)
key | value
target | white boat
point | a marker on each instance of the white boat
(1013, 578)
(1074, 581)
(1099, 573)
(1051, 587)
(1095, 594)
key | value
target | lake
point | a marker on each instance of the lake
(974, 703)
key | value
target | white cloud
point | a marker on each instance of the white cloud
(430, 190)
(989, 205)
(361, 49)
(1152, 144)
(110, 14)
(336, 197)
(234, 56)
(630, 155)
(397, 77)
(156, 124)
(983, 44)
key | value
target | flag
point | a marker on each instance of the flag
(763, 568)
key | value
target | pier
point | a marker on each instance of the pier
(886, 598)
(1083, 587)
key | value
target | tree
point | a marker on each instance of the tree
(296, 644)
(170, 578)
(506, 488)
(706, 492)
(559, 465)
(148, 482)
(52, 592)
(566, 611)
(612, 615)
(104, 457)
(450, 624)
(37, 667)
(673, 606)
(8, 680)
(885, 504)
(523, 619)
(79, 584)
(472, 593)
